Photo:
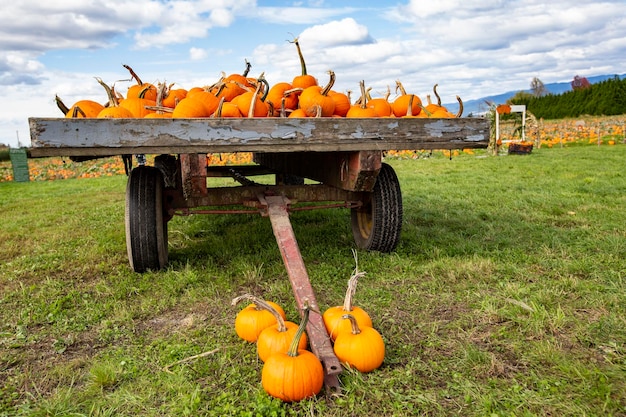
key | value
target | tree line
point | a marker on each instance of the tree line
(606, 98)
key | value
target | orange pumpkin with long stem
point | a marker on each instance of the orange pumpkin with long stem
(253, 319)
(315, 97)
(277, 338)
(303, 80)
(145, 90)
(332, 317)
(113, 111)
(251, 104)
(295, 375)
(361, 109)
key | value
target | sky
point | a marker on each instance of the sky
(469, 48)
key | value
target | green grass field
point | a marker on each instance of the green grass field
(505, 297)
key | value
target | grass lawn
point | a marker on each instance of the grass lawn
(505, 297)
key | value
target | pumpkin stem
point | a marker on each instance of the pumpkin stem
(437, 95)
(162, 91)
(293, 348)
(61, 105)
(302, 63)
(253, 100)
(76, 111)
(110, 94)
(260, 304)
(460, 112)
(330, 84)
(425, 110)
(400, 87)
(133, 74)
(388, 93)
(363, 99)
(354, 279)
(218, 111)
(355, 325)
(409, 108)
(247, 70)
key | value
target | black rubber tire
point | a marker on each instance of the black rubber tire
(377, 224)
(146, 225)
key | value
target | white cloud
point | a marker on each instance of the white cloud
(198, 54)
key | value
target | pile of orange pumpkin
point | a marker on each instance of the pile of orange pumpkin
(290, 371)
(238, 95)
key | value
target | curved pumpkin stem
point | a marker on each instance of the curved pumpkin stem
(460, 112)
(293, 348)
(110, 94)
(437, 95)
(354, 279)
(60, 104)
(353, 323)
(133, 74)
(400, 88)
(425, 110)
(302, 63)
(409, 108)
(330, 84)
(363, 99)
(247, 70)
(260, 304)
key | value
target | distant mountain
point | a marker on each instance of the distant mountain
(480, 106)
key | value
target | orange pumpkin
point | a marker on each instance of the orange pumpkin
(141, 89)
(277, 338)
(283, 94)
(400, 105)
(332, 317)
(251, 320)
(295, 375)
(361, 109)
(342, 103)
(316, 98)
(362, 347)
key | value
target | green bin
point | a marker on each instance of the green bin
(19, 162)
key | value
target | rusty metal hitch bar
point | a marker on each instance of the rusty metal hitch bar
(277, 209)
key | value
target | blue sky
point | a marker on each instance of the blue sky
(470, 48)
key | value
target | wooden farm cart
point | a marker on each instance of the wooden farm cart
(342, 157)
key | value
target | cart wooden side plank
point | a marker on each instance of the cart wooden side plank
(80, 137)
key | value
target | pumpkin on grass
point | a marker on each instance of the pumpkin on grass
(253, 319)
(295, 375)
(362, 348)
(277, 338)
(332, 317)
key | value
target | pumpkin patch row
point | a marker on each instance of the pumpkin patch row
(291, 372)
(238, 95)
